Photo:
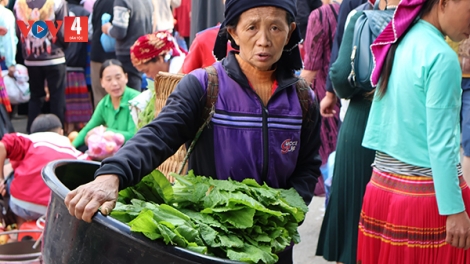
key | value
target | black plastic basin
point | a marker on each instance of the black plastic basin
(105, 240)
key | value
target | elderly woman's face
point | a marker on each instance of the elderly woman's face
(261, 34)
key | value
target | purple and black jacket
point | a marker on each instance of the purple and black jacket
(245, 139)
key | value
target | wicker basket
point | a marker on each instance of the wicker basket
(165, 83)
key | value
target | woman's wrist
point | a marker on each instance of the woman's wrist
(330, 94)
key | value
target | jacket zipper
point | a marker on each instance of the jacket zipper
(264, 171)
(264, 174)
(265, 113)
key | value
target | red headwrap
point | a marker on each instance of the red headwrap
(153, 45)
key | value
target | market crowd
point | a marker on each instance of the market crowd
(364, 102)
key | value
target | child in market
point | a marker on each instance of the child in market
(28, 154)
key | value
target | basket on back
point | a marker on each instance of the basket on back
(165, 83)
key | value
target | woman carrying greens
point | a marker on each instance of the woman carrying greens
(265, 127)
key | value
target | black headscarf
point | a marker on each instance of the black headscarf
(75, 2)
(234, 8)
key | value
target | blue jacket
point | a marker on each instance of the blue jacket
(272, 144)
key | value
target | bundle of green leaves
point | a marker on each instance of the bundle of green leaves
(148, 114)
(242, 221)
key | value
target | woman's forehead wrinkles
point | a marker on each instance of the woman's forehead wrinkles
(256, 19)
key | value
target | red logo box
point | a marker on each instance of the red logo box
(76, 29)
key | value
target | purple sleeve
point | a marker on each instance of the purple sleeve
(314, 39)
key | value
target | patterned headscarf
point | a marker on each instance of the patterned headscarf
(153, 45)
(405, 14)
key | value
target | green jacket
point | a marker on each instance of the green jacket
(119, 120)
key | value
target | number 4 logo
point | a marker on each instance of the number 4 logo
(75, 29)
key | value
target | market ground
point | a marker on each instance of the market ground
(304, 253)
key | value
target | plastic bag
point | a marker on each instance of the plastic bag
(18, 87)
(102, 143)
(138, 104)
(108, 43)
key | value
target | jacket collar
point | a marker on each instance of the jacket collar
(124, 99)
(233, 70)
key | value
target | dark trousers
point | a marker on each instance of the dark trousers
(133, 75)
(56, 81)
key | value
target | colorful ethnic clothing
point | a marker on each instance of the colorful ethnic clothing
(4, 99)
(418, 123)
(78, 101)
(400, 222)
(403, 218)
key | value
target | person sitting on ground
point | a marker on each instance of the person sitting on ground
(28, 154)
(113, 110)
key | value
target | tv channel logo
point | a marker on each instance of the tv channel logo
(75, 28)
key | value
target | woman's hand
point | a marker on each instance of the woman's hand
(85, 201)
(458, 230)
(105, 28)
(91, 132)
(327, 105)
(309, 76)
(11, 71)
(88, 135)
(3, 189)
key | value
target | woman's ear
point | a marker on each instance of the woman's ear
(442, 4)
(292, 28)
(233, 33)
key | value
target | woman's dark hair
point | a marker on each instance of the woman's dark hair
(76, 2)
(109, 63)
(45, 123)
(154, 59)
(387, 69)
(233, 24)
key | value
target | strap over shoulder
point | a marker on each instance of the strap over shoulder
(303, 88)
(209, 109)
(212, 91)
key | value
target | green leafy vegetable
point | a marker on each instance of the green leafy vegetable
(148, 114)
(243, 221)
